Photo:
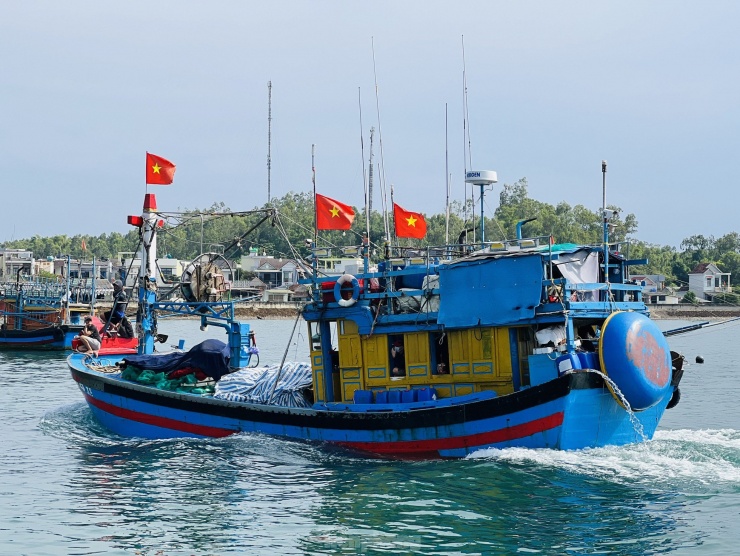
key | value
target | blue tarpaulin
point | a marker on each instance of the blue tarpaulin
(211, 356)
(490, 291)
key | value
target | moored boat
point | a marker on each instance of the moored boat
(36, 315)
(436, 353)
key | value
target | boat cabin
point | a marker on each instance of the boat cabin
(429, 327)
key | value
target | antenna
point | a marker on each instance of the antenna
(481, 179)
(269, 137)
(382, 164)
(370, 171)
(368, 189)
(467, 146)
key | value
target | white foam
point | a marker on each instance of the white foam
(704, 456)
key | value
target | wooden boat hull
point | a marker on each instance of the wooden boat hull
(571, 412)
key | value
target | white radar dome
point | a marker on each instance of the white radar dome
(481, 177)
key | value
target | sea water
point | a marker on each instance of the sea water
(68, 486)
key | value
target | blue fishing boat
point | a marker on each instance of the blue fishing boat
(34, 314)
(37, 313)
(433, 353)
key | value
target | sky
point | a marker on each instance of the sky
(551, 88)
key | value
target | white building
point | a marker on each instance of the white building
(706, 280)
(14, 260)
(169, 270)
(654, 290)
(273, 272)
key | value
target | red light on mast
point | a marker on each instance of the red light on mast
(150, 202)
(137, 221)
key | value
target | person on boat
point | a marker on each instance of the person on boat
(118, 311)
(89, 338)
(123, 329)
(398, 361)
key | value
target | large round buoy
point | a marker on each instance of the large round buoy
(339, 296)
(634, 353)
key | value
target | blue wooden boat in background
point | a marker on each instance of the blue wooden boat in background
(34, 314)
(433, 353)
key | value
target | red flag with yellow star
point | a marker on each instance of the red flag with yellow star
(333, 215)
(409, 224)
(159, 171)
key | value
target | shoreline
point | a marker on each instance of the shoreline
(289, 311)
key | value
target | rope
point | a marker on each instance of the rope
(100, 366)
(285, 355)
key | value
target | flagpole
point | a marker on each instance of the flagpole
(447, 185)
(92, 289)
(315, 208)
(393, 204)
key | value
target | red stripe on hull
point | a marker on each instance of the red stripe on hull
(418, 448)
(161, 422)
(434, 446)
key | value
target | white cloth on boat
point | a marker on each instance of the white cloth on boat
(554, 334)
(256, 385)
(581, 267)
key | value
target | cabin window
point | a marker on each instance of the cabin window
(397, 355)
(315, 334)
(440, 354)
(525, 341)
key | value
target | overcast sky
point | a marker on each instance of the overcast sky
(87, 87)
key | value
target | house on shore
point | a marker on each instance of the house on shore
(654, 290)
(707, 281)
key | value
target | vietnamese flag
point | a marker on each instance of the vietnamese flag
(333, 215)
(159, 171)
(409, 224)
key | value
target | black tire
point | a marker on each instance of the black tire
(674, 399)
(254, 360)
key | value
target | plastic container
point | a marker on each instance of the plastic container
(589, 360)
(408, 396)
(426, 394)
(568, 362)
(363, 396)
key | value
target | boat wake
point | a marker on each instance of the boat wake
(699, 457)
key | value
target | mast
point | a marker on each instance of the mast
(366, 186)
(370, 173)
(92, 289)
(147, 277)
(383, 186)
(315, 208)
(447, 185)
(605, 215)
(269, 137)
(68, 292)
(467, 154)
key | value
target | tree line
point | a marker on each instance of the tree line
(284, 235)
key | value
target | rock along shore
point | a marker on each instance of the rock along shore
(681, 311)
(259, 310)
